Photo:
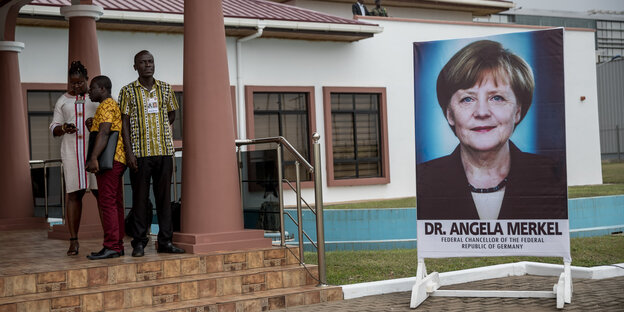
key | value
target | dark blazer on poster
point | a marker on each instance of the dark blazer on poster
(355, 8)
(536, 189)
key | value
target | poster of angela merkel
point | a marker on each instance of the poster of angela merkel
(490, 146)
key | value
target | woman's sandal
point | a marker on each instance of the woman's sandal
(73, 246)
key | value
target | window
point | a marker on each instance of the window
(283, 111)
(40, 100)
(356, 136)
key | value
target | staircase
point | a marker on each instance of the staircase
(251, 280)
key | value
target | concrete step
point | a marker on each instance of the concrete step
(78, 272)
(150, 293)
(267, 300)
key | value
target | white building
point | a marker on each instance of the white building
(302, 62)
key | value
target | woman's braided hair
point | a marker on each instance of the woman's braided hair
(76, 68)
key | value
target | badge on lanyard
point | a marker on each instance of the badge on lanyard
(152, 105)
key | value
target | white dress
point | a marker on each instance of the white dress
(74, 146)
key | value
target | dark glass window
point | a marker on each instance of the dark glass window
(177, 123)
(284, 114)
(40, 114)
(356, 135)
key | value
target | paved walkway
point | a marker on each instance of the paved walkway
(588, 295)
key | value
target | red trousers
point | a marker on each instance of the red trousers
(110, 201)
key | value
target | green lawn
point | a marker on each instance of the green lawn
(389, 203)
(613, 173)
(349, 267)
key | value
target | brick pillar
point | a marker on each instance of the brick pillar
(17, 209)
(211, 217)
(83, 47)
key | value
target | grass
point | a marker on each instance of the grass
(612, 176)
(595, 190)
(613, 173)
(350, 267)
(388, 203)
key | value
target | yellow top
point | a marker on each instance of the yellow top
(108, 111)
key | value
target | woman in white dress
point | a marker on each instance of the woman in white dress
(73, 109)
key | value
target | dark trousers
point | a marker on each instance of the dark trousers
(158, 169)
(110, 201)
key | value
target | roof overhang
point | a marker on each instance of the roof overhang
(49, 16)
(476, 7)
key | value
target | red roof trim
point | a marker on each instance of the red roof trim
(254, 9)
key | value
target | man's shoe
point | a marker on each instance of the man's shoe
(169, 248)
(93, 253)
(137, 251)
(108, 253)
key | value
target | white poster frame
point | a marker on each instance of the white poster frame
(427, 285)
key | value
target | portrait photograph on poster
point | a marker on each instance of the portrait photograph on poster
(490, 146)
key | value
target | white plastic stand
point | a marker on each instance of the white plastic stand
(427, 285)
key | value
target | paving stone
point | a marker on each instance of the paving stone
(589, 295)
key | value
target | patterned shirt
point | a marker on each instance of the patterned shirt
(108, 111)
(381, 11)
(149, 122)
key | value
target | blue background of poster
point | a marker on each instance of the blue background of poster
(542, 131)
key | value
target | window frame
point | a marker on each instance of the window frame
(36, 86)
(383, 127)
(249, 115)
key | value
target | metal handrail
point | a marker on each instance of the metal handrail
(303, 200)
(279, 140)
(45, 182)
(318, 194)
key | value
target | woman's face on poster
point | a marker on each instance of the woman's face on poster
(484, 115)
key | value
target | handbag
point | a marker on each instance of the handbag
(107, 156)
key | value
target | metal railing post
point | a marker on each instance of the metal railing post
(617, 135)
(318, 203)
(46, 192)
(45, 188)
(62, 193)
(299, 213)
(280, 188)
(239, 158)
(175, 179)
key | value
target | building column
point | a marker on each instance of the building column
(83, 47)
(211, 216)
(83, 43)
(17, 209)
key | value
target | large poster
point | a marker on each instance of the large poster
(490, 146)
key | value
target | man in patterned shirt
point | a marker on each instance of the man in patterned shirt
(147, 110)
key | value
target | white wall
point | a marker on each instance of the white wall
(44, 58)
(582, 127)
(383, 61)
